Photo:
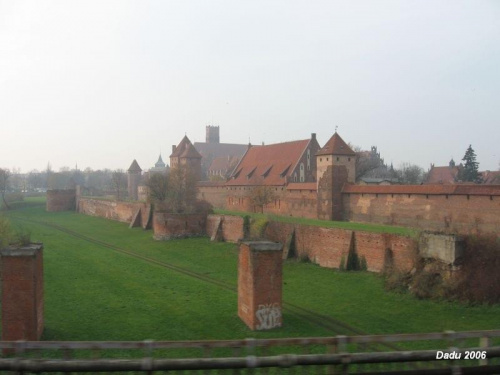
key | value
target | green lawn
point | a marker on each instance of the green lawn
(378, 228)
(94, 292)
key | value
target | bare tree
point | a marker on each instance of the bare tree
(182, 190)
(410, 174)
(35, 180)
(158, 187)
(368, 163)
(260, 196)
(4, 185)
(118, 181)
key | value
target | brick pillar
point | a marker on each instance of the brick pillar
(260, 282)
(22, 292)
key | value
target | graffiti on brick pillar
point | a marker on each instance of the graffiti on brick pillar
(269, 316)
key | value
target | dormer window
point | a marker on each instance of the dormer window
(266, 173)
(237, 173)
(285, 171)
(250, 174)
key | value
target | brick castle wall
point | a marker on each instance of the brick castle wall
(451, 213)
(461, 209)
(61, 200)
(214, 193)
(168, 225)
(232, 227)
(327, 246)
(113, 210)
(296, 202)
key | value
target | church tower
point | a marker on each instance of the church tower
(212, 134)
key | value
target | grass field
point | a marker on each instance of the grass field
(104, 281)
(378, 228)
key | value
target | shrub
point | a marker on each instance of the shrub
(388, 267)
(246, 226)
(14, 197)
(5, 232)
(352, 260)
(304, 258)
(342, 264)
(363, 266)
(257, 227)
(397, 281)
(479, 278)
(22, 236)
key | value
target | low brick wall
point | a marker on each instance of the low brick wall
(232, 227)
(113, 210)
(327, 246)
(61, 200)
(168, 225)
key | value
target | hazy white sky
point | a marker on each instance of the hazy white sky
(100, 83)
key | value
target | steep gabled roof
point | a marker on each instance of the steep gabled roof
(336, 146)
(215, 150)
(134, 167)
(442, 175)
(490, 177)
(185, 149)
(252, 168)
(190, 152)
(223, 163)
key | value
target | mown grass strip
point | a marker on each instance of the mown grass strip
(377, 228)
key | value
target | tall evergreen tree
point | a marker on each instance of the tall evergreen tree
(470, 170)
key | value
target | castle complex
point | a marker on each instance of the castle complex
(303, 179)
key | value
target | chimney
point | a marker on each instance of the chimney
(313, 135)
(173, 148)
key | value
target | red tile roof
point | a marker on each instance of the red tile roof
(224, 163)
(185, 149)
(302, 186)
(336, 146)
(442, 175)
(214, 150)
(491, 177)
(268, 165)
(423, 189)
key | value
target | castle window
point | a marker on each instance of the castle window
(320, 159)
(348, 159)
(327, 159)
(338, 159)
(308, 159)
